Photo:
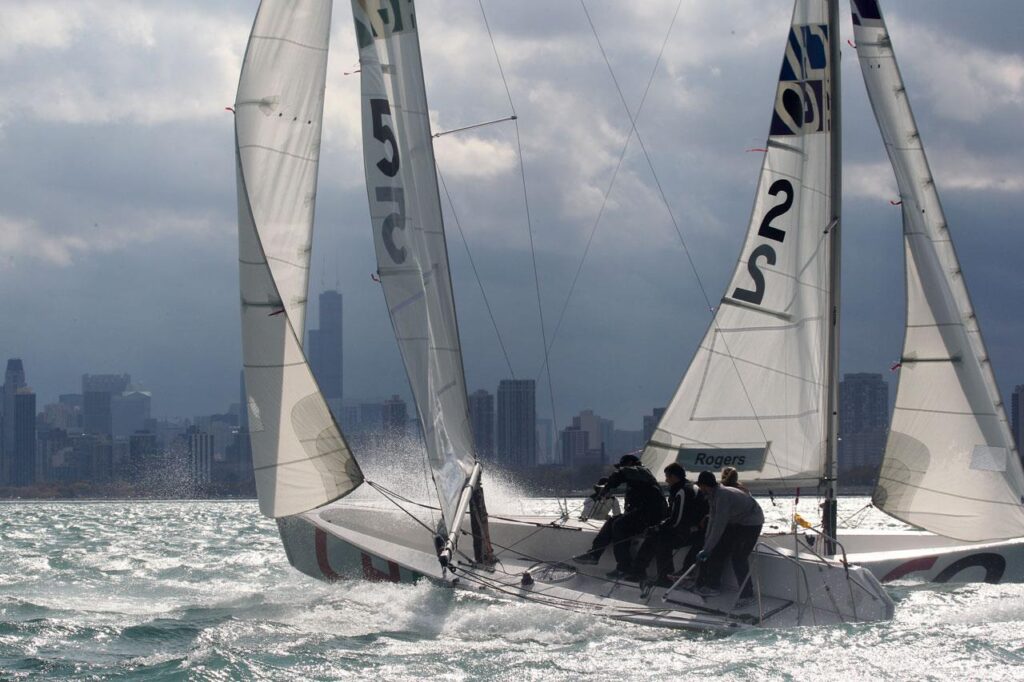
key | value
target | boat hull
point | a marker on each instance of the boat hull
(926, 557)
(347, 541)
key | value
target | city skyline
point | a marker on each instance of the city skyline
(138, 268)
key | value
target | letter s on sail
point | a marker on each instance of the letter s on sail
(393, 221)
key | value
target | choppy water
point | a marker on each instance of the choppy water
(202, 590)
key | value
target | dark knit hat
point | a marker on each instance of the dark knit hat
(707, 478)
(628, 461)
(676, 469)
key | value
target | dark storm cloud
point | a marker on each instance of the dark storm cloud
(117, 207)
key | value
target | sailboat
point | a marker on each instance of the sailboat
(304, 466)
(761, 392)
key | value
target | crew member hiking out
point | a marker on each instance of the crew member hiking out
(733, 528)
(644, 506)
(680, 528)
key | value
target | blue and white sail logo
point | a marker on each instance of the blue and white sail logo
(801, 101)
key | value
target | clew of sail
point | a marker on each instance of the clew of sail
(950, 465)
(408, 232)
(300, 459)
(754, 397)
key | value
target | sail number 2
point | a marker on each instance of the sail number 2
(389, 165)
(766, 252)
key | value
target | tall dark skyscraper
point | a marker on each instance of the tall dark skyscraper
(98, 391)
(481, 417)
(325, 350)
(14, 380)
(863, 420)
(517, 423)
(1017, 415)
(23, 428)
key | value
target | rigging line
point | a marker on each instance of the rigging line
(679, 232)
(529, 219)
(384, 493)
(611, 183)
(475, 125)
(476, 273)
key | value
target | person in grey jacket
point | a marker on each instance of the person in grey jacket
(734, 524)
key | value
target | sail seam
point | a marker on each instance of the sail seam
(293, 462)
(266, 148)
(272, 366)
(947, 494)
(954, 412)
(282, 39)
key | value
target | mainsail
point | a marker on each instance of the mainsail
(950, 464)
(755, 395)
(300, 458)
(408, 231)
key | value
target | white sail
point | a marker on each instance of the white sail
(950, 465)
(408, 231)
(754, 396)
(300, 458)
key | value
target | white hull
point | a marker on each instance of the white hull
(923, 556)
(349, 540)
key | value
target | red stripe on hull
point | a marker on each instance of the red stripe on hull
(920, 564)
(370, 572)
(320, 539)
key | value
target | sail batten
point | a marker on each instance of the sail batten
(408, 229)
(950, 463)
(754, 396)
(300, 458)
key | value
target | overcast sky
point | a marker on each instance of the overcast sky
(117, 202)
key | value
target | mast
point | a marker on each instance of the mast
(473, 494)
(412, 250)
(829, 515)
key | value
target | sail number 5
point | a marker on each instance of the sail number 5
(766, 252)
(389, 165)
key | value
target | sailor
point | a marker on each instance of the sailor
(731, 479)
(645, 507)
(733, 528)
(599, 505)
(681, 528)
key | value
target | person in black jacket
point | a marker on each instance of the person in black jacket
(644, 507)
(682, 527)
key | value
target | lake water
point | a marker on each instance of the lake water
(202, 590)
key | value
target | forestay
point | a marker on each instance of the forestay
(950, 465)
(408, 232)
(754, 396)
(300, 458)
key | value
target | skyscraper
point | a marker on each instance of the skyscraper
(651, 422)
(325, 350)
(98, 391)
(863, 420)
(481, 417)
(14, 379)
(599, 430)
(1017, 414)
(200, 455)
(23, 428)
(517, 423)
(129, 412)
(574, 445)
